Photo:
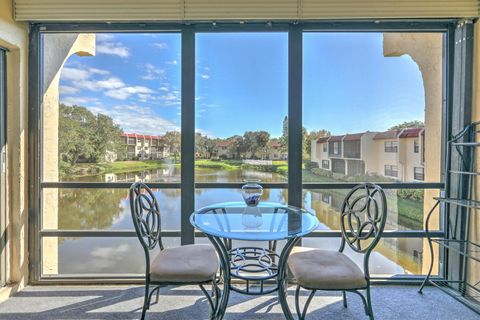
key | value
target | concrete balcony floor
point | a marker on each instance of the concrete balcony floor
(187, 302)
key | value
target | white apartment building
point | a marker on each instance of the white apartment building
(145, 147)
(394, 154)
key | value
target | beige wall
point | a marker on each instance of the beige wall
(474, 267)
(382, 158)
(412, 159)
(14, 36)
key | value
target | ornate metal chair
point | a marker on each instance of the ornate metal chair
(362, 219)
(190, 264)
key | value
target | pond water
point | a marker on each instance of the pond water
(108, 209)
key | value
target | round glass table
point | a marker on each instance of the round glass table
(262, 270)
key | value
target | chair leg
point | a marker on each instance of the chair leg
(146, 300)
(344, 294)
(369, 303)
(302, 314)
(157, 298)
(297, 303)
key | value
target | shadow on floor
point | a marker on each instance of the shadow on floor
(72, 303)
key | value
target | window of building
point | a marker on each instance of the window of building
(391, 171)
(416, 146)
(324, 147)
(131, 140)
(335, 148)
(391, 146)
(325, 164)
(419, 173)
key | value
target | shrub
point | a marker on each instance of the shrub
(410, 194)
(282, 170)
(309, 165)
(322, 172)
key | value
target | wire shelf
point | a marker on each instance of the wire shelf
(466, 248)
(467, 203)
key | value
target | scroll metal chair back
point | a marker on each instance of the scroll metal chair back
(146, 217)
(362, 220)
(147, 222)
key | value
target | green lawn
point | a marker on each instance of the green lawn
(128, 166)
(220, 164)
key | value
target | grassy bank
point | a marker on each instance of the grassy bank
(92, 169)
(220, 164)
(280, 167)
(129, 166)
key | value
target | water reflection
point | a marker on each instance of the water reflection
(89, 209)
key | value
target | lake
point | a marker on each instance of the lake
(108, 209)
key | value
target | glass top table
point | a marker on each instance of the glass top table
(266, 222)
(261, 270)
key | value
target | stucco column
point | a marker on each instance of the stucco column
(57, 49)
(426, 50)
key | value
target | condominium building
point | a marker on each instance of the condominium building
(144, 147)
(396, 154)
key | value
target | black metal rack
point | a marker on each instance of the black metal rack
(459, 204)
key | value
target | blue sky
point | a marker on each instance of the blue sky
(241, 82)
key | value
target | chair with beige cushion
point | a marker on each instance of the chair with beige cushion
(190, 264)
(362, 220)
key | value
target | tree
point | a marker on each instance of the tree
(172, 138)
(284, 138)
(75, 132)
(200, 144)
(83, 135)
(256, 141)
(210, 146)
(408, 124)
(262, 137)
(107, 138)
(237, 146)
(250, 140)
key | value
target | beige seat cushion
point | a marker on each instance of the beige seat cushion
(191, 263)
(325, 269)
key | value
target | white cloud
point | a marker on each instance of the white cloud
(173, 62)
(138, 119)
(68, 90)
(205, 76)
(74, 74)
(104, 36)
(113, 48)
(77, 101)
(110, 83)
(95, 85)
(98, 71)
(164, 89)
(125, 92)
(153, 72)
(160, 45)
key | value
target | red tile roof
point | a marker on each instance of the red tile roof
(275, 144)
(223, 143)
(353, 136)
(141, 136)
(336, 138)
(410, 132)
(323, 139)
(392, 134)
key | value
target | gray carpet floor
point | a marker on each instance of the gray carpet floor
(187, 302)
